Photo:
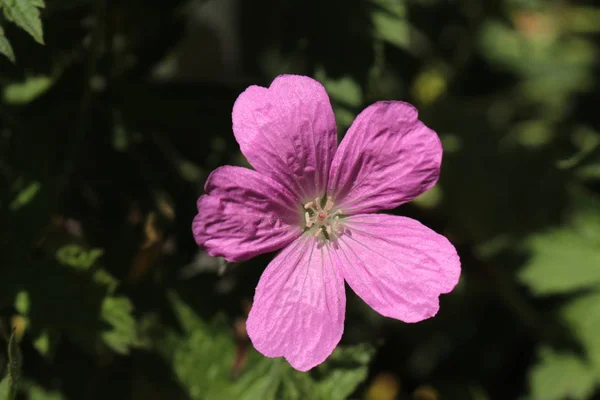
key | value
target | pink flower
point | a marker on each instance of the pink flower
(316, 201)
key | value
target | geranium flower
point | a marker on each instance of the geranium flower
(316, 201)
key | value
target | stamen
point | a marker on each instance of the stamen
(322, 219)
(329, 204)
(309, 221)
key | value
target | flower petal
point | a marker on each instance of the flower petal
(288, 132)
(299, 306)
(397, 265)
(244, 214)
(387, 158)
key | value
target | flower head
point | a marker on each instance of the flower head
(316, 201)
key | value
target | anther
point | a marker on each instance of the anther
(307, 219)
(329, 204)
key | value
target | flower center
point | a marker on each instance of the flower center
(322, 218)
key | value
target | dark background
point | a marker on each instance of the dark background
(108, 131)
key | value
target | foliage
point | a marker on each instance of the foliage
(108, 131)
(26, 15)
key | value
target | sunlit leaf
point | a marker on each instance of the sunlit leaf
(117, 312)
(567, 258)
(561, 261)
(581, 18)
(343, 371)
(5, 47)
(24, 92)
(26, 14)
(203, 360)
(25, 196)
(188, 319)
(5, 388)
(38, 393)
(583, 318)
(344, 90)
(77, 257)
(391, 28)
(430, 199)
(22, 302)
(559, 376)
(44, 343)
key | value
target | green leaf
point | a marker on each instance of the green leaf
(335, 379)
(188, 319)
(583, 317)
(392, 29)
(24, 92)
(5, 47)
(25, 196)
(566, 259)
(5, 388)
(22, 302)
(103, 278)
(562, 261)
(343, 371)
(26, 14)
(39, 393)
(344, 90)
(45, 343)
(561, 376)
(77, 257)
(116, 311)
(204, 357)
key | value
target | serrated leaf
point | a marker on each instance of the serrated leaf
(204, 357)
(5, 47)
(561, 376)
(566, 259)
(78, 257)
(188, 319)
(583, 317)
(116, 311)
(562, 261)
(343, 371)
(26, 14)
(335, 379)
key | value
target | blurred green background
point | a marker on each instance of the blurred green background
(109, 129)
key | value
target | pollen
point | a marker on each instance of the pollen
(321, 218)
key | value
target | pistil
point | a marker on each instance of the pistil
(324, 219)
